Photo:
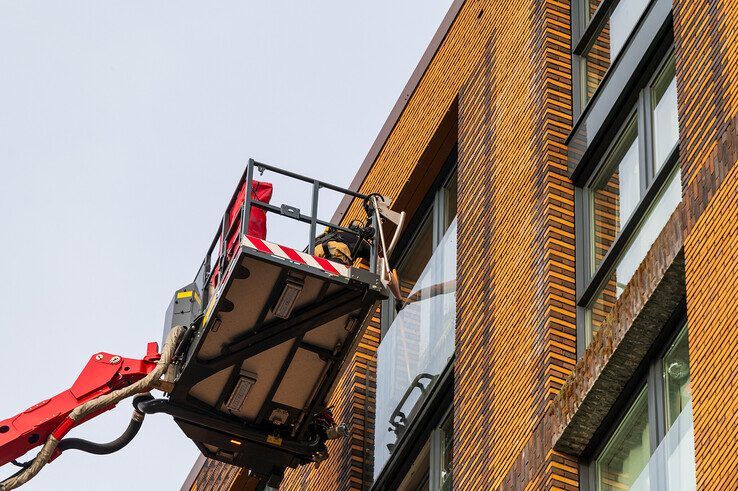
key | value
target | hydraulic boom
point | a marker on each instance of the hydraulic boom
(103, 374)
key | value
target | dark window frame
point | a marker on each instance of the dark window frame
(650, 374)
(439, 402)
(436, 450)
(584, 35)
(652, 182)
(431, 208)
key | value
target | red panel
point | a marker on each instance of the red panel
(261, 191)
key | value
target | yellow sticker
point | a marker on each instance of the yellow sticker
(208, 311)
(186, 294)
(274, 440)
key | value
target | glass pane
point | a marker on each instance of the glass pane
(676, 378)
(451, 192)
(616, 195)
(417, 256)
(628, 450)
(600, 307)
(596, 62)
(609, 41)
(623, 19)
(650, 229)
(665, 121)
(416, 348)
(447, 437)
(634, 254)
(673, 461)
(589, 7)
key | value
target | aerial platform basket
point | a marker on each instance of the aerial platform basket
(273, 327)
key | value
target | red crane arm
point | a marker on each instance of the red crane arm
(102, 374)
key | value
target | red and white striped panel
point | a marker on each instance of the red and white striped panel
(330, 267)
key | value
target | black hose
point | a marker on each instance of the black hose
(117, 444)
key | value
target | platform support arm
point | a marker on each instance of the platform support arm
(102, 374)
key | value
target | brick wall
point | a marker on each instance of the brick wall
(706, 38)
(516, 386)
(712, 308)
(516, 306)
(395, 174)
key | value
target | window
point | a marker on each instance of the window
(431, 469)
(416, 257)
(616, 194)
(418, 334)
(675, 371)
(665, 123)
(652, 446)
(606, 26)
(628, 450)
(444, 473)
(629, 200)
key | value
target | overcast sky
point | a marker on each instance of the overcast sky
(124, 127)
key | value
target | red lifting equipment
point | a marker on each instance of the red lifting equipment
(102, 374)
(255, 345)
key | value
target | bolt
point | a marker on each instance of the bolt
(99, 357)
(114, 360)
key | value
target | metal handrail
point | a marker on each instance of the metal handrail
(226, 229)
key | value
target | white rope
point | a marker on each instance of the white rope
(83, 410)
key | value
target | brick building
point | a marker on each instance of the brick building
(567, 167)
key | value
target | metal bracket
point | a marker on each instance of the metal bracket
(290, 211)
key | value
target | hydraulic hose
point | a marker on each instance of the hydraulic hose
(124, 439)
(147, 383)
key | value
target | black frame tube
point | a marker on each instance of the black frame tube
(119, 443)
(247, 178)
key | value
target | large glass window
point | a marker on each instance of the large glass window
(616, 194)
(631, 198)
(418, 331)
(630, 458)
(628, 450)
(606, 28)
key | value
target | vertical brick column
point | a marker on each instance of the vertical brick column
(516, 307)
(711, 254)
(706, 40)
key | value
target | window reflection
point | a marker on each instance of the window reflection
(628, 451)
(597, 62)
(416, 258)
(665, 120)
(677, 390)
(609, 41)
(634, 254)
(616, 196)
(654, 222)
(589, 7)
(450, 194)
